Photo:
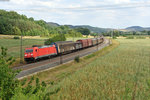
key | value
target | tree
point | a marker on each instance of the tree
(148, 32)
(31, 19)
(11, 88)
(8, 83)
(59, 37)
(83, 31)
(116, 33)
(16, 31)
(134, 32)
(94, 34)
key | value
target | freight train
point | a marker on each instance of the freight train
(61, 47)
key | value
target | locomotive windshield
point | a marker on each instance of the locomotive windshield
(29, 50)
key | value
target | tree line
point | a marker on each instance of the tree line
(12, 23)
(116, 33)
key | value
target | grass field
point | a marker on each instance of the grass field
(122, 74)
(13, 45)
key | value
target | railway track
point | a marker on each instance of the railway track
(33, 68)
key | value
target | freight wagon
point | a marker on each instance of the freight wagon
(78, 45)
(89, 42)
(100, 40)
(65, 46)
(84, 43)
(94, 41)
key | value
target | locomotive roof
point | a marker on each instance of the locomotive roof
(45, 46)
(63, 42)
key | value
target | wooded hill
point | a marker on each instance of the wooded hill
(12, 23)
(91, 28)
(138, 28)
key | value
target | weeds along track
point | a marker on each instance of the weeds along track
(33, 68)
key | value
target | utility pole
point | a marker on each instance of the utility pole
(61, 49)
(97, 41)
(21, 61)
(112, 33)
(73, 36)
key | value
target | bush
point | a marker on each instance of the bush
(140, 37)
(114, 37)
(59, 37)
(77, 59)
(8, 83)
(13, 89)
(130, 37)
(124, 35)
(16, 37)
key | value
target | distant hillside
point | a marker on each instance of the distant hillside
(53, 24)
(137, 28)
(92, 29)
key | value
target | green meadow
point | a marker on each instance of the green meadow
(13, 45)
(122, 74)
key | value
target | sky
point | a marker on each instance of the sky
(117, 14)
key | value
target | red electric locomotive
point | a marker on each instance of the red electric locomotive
(34, 53)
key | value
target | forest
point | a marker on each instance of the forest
(12, 23)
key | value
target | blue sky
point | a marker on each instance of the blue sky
(99, 13)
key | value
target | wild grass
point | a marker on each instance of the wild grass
(140, 37)
(122, 74)
(130, 37)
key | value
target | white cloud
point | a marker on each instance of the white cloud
(122, 1)
(103, 13)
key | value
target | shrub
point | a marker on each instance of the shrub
(59, 37)
(124, 35)
(8, 83)
(12, 89)
(114, 37)
(130, 37)
(77, 59)
(16, 37)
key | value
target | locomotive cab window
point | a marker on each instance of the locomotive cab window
(29, 50)
(36, 50)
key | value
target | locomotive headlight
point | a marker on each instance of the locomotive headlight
(25, 55)
(31, 54)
